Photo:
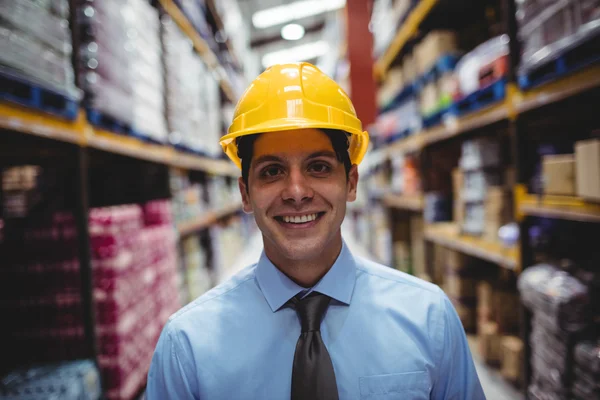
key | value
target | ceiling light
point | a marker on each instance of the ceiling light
(303, 52)
(293, 11)
(292, 32)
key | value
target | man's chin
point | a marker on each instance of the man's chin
(297, 249)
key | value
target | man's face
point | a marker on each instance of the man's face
(297, 190)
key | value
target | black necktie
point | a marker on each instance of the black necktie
(313, 377)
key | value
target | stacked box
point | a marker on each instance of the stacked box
(490, 342)
(559, 174)
(193, 102)
(485, 202)
(511, 358)
(497, 211)
(560, 304)
(136, 289)
(458, 204)
(587, 165)
(432, 47)
(135, 276)
(35, 43)
(121, 64)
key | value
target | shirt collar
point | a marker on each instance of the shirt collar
(338, 282)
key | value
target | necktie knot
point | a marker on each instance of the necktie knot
(311, 310)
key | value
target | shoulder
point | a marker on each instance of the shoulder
(380, 274)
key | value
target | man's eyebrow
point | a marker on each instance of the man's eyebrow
(267, 158)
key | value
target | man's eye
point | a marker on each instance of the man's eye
(271, 171)
(320, 168)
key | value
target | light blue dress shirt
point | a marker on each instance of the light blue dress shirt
(389, 335)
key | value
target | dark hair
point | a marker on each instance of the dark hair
(339, 141)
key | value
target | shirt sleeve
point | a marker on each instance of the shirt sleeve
(171, 375)
(457, 378)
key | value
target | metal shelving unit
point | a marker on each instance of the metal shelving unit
(200, 45)
(517, 106)
(448, 235)
(207, 219)
(81, 133)
(78, 144)
(401, 202)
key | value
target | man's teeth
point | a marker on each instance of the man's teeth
(300, 219)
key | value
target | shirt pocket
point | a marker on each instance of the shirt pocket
(406, 385)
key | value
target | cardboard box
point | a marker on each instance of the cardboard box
(409, 68)
(511, 358)
(458, 212)
(489, 342)
(587, 159)
(559, 174)
(432, 47)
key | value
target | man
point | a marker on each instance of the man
(309, 320)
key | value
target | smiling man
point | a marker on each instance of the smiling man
(309, 321)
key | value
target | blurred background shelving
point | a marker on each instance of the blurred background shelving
(485, 112)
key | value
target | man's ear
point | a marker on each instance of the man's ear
(246, 206)
(352, 183)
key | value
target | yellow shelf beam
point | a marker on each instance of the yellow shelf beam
(408, 30)
(448, 235)
(80, 132)
(200, 44)
(561, 207)
(22, 119)
(561, 89)
(517, 102)
(207, 219)
(401, 202)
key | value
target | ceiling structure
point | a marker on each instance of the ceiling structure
(268, 41)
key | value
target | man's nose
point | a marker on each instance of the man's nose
(298, 188)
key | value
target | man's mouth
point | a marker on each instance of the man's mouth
(299, 221)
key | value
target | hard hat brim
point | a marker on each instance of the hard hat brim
(358, 143)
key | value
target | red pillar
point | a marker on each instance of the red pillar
(360, 50)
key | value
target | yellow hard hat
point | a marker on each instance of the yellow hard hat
(295, 96)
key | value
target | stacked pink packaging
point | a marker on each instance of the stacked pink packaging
(135, 289)
(134, 263)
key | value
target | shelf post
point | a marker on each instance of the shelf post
(84, 250)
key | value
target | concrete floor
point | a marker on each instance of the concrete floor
(494, 385)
